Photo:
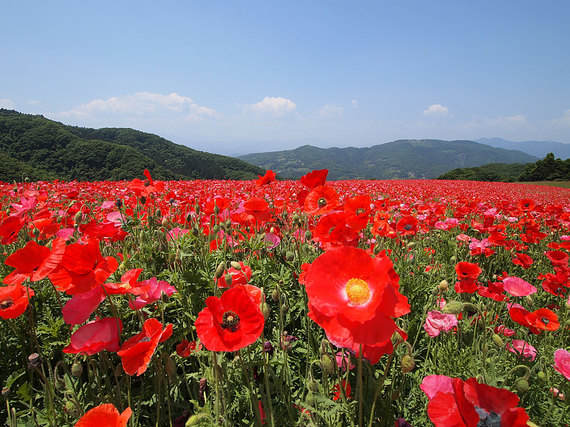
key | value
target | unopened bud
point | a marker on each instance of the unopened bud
(199, 420)
(310, 399)
(408, 363)
(453, 307)
(289, 256)
(308, 235)
(164, 222)
(275, 295)
(328, 365)
(220, 270)
(521, 385)
(443, 286)
(541, 377)
(76, 369)
(78, 218)
(236, 265)
(265, 310)
(498, 341)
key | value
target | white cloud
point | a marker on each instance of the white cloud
(354, 103)
(330, 112)
(516, 121)
(7, 103)
(436, 110)
(140, 105)
(274, 106)
(564, 120)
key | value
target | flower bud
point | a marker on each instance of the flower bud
(199, 420)
(541, 377)
(408, 364)
(521, 385)
(308, 235)
(498, 341)
(78, 218)
(265, 310)
(310, 399)
(453, 307)
(328, 365)
(236, 265)
(289, 256)
(275, 295)
(443, 286)
(76, 369)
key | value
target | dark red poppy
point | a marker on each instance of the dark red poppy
(34, 261)
(14, 300)
(137, 351)
(186, 348)
(468, 273)
(230, 322)
(82, 268)
(265, 179)
(454, 402)
(354, 297)
(96, 336)
(558, 258)
(320, 200)
(105, 415)
(315, 178)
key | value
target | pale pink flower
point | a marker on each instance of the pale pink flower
(156, 290)
(438, 322)
(463, 237)
(344, 362)
(440, 225)
(432, 384)
(517, 287)
(452, 222)
(522, 348)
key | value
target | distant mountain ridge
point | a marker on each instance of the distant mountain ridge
(534, 148)
(402, 159)
(37, 148)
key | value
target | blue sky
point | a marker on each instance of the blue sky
(245, 76)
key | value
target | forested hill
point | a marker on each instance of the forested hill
(37, 148)
(403, 159)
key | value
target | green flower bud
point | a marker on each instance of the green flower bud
(310, 399)
(265, 310)
(443, 286)
(498, 341)
(541, 377)
(408, 364)
(289, 256)
(328, 364)
(236, 265)
(77, 369)
(521, 385)
(453, 307)
(275, 295)
(199, 420)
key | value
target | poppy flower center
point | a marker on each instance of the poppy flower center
(7, 303)
(357, 291)
(487, 419)
(230, 320)
(322, 202)
(408, 227)
(545, 320)
(360, 211)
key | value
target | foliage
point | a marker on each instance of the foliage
(33, 145)
(492, 172)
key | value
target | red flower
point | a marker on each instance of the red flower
(354, 297)
(258, 208)
(230, 322)
(34, 261)
(10, 228)
(129, 284)
(78, 309)
(93, 337)
(332, 230)
(557, 258)
(358, 210)
(523, 260)
(82, 268)
(468, 274)
(526, 205)
(454, 402)
(105, 415)
(337, 391)
(315, 178)
(137, 351)
(14, 300)
(407, 225)
(321, 200)
(233, 276)
(186, 348)
(266, 179)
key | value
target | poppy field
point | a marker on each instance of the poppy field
(310, 303)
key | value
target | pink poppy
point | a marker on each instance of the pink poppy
(517, 287)
(432, 384)
(522, 348)
(154, 293)
(562, 362)
(78, 309)
(93, 337)
(438, 322)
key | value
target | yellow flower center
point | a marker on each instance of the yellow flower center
(357, 291)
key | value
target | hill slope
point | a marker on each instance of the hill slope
(401, 159)
(38, 148)
(534, 148)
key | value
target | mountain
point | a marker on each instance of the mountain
(535, 148)
(403, 159)
(40, 149)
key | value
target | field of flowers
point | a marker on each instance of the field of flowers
(370, 303)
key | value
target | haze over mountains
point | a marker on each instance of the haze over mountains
(535, 148)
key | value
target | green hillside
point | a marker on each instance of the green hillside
(37, 148)
(401, 159)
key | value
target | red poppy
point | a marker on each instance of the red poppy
(315, 178)
(537, 321)
(258, 208)
(145, 188)
(266, 179)
(337, 391)
(557, 258)
(454, 402)
(82, 268)
(105, 415)
(34, 261)
(526, 205)
(234, 276)
(78, 309)
(358, 210)
(333, 230)
(354, 297)
(137, 351)
(321, 199)
(186, 348)
(230, 322)
(10, 228)
(407, 225)
(468, 273)
(523, 260)
(129, 284)
(14, 300)
(96, 336)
